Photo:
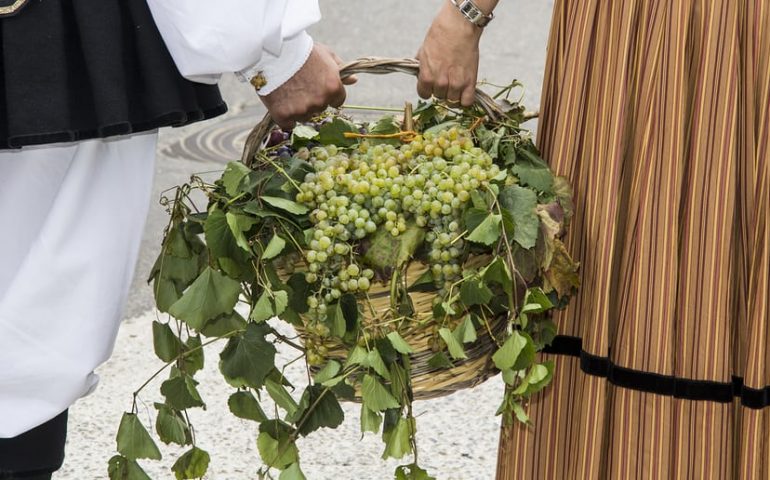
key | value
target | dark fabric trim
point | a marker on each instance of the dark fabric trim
(36, 452)
(668, 385)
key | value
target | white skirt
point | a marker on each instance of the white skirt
(71, 222)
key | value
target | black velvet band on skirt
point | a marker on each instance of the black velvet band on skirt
(77, 69)
(38, 451)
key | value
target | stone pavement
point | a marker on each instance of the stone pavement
(464, 430)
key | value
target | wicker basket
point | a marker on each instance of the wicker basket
(427, 381)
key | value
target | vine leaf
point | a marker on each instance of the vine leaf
(133, 440)
(399, 343)
(326, 413)
(171, 426)
(455, 348)
(397, 439)
(412, 472)
(292, 473)
(333, 133)
(243, 405)
(181, 392)
(466, 331)
(375, 396)
(521, 203)
(210, 295)
(370, 421)
(234, 174)
(538, 377)
(121, 468)
(282, 397)
(330, 370)
(488, 231)
(192, 464)
(274, 247)
(285, 205)
(517, 352)
(248, 358)
(275, 445)
(166, 344)
(473, 291)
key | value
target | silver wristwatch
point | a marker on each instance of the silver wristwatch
(473, 13)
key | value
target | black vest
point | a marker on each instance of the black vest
(77, 69)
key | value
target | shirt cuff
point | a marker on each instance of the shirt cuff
(277, 70)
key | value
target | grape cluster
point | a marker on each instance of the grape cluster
(353, 194)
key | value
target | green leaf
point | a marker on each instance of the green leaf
(274, 247)
(231, 179)
(386, 125)
(397, 442)
(280, 301)
(275, 445)
(439, 360)
(412, 472)
(167, 345)
(219, 238)
(224, 325)
(210, 295)
(455, 348)
(133, 440)
(507, 355)
(498, 272)
(330, 370)
(473, 218)
(387, 252)
(192, 464)
(292, 473)
(326, 413)
(473, 291)
(537, 378)
(263, 309)
(304, 132)
(333, 133)
(248, 358)
(375, 396)
(165, 292)
(181, 392)
(488, 231)
(521, 203)
(532, 170)
(466, 331)
(536, 301)
(285, 205)
(193, 360)
(374, 361)
(357, 356)
(243, 405)
(171, 426)
(121, 468)
(239, 224)
(281, 397)
(370, 421)
(424, 283)
(521, 415)
(399, 343)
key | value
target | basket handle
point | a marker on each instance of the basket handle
(371, 65)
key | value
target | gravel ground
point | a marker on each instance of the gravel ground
(463, 429)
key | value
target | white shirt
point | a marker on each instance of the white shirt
(208, 38)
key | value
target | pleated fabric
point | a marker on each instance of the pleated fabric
(72, 70)
(658, 112)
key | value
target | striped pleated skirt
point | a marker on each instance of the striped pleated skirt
(659, 113)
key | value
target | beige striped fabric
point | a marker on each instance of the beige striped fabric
(659, 113)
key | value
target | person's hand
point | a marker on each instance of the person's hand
(449, 58)
(314, 87)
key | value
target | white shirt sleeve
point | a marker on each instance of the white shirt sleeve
(208, 38)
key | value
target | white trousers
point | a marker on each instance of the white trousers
(71, 222)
